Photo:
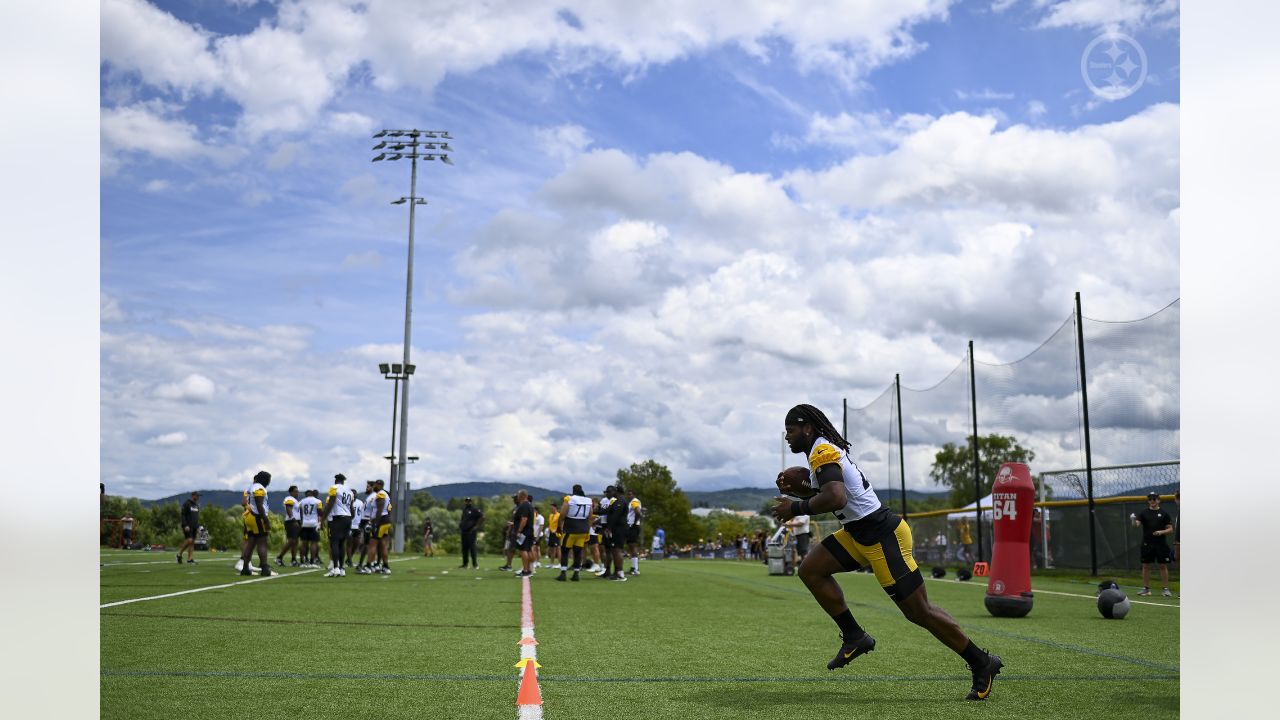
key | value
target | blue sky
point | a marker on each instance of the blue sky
(631, 195)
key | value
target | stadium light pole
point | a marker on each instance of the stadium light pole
(396, 372)
(414, 145)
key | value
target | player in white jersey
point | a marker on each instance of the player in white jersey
(309, 532)
(871, 535)
(634, 512)
(539, 529)
(356, 538)
(257, 524)
(337, 513)
(380, 529)
(366, 522)
(575, 522)
(292, 528)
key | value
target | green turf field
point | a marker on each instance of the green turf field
(685, 639)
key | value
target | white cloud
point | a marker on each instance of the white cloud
(168, 439)
(1102, 14)
(157, 186)
(283, 74)
(985, 94)
(563, 142)
(109, 309)
(148, 128)
(194, 388)
(351, 123)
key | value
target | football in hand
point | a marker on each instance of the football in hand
(793, 479)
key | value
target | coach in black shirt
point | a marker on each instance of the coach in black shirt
(522, 533)
(471, 522)
(1156, 524)
(190, 525)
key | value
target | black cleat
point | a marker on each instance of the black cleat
(179, 558)
(984, 677)
(560, 577)
(850, 650)
(575, 576)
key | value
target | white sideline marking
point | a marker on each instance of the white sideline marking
(202, 589)
(1067, 594)
(218, 587)
(527, 712)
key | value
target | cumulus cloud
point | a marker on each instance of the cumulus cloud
(193, 388)
(168, 439)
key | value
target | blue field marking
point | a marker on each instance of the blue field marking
(548, 678)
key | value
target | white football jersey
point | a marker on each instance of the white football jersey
(342, 498)
(861, 499)
(257, 491)
(357, 510)
(370, 505)
(309, 511)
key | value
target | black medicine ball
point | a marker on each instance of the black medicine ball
(963, 574)
(939, 572)
(1113, 604)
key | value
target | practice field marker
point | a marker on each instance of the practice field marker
(219, 587)
(529, 697)
(202, 589)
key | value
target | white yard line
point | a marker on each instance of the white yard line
(528, 648)
(202, 589)
(218, 587)
(1067, 594)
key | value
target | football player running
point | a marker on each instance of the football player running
(871, 535)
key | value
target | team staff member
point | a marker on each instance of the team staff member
(190, 524)
(292, 528)
(634, 513)
(522, 533)
(575, 522)
(615, 534)
(472, 520)
(337, 513)
(428, 547)
(257, 524)
(309, 530)
(539, 527)
(871, 534)
(1156, 524)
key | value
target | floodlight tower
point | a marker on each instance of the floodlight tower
(415, 145)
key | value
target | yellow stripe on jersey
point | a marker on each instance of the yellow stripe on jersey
(824, 454)
(333, 490)
(259, 493)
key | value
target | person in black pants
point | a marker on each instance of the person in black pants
(472, 520)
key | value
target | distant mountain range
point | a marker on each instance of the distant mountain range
(743, 498)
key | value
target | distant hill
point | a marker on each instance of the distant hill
(743, 498)
(447, 492)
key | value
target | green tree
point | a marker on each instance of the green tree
(422, 500)
(953, 465)
(665, 505)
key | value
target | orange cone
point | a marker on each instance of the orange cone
(529, 692)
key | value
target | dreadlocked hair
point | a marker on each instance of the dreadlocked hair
(812, 415)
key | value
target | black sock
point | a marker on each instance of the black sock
(849, 627)
(973, 655)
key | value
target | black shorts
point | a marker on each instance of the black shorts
(309, 534)
(593, 540)
(553, 540)
(802, 544)
(617, 537)
(339, 527)
(189, 532)
(1156, 553)
(633, 534)
(291, 528)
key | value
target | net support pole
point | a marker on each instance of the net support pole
(977, 482)
(902, 468)
(1088, 451)
(844, 417)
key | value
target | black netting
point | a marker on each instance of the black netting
(1133, 406)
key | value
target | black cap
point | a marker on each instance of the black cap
(466, 499)
(1153, 496)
